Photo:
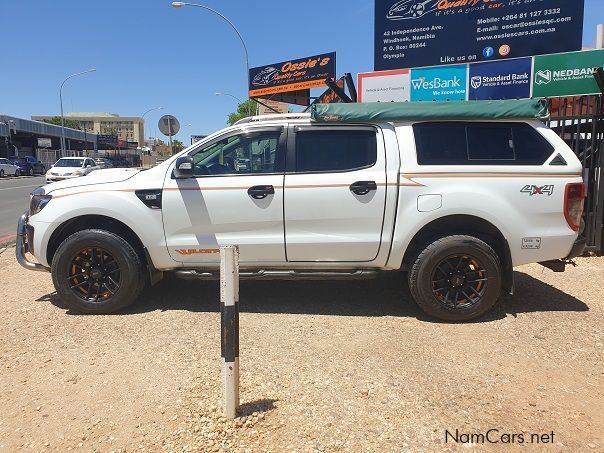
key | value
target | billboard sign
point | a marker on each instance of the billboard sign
(384, 86)
(509, 79)
(567, 74)
(448, 83)
(44, 143)
(411, 33)
(292, 75)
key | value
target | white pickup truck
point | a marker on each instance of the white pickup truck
(455, 195)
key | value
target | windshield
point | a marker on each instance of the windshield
(69, 163)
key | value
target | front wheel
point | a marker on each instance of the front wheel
(456, 278)
(96, 271)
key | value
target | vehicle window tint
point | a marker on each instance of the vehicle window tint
(474, 143)
(331, 150)
(254, 153)
(490, 143)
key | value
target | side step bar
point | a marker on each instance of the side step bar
(192, 274)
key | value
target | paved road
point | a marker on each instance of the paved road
(14, 199)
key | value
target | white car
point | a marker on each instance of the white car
(7, 168)
(70, 167)
(455, 194)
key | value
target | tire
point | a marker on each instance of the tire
(31, 171)
(43, 171)
(460, 267)
(97, 293)
(17, 172)
(1, 173)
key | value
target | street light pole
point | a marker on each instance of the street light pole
(61, 100)
(226, 19)
(143, 117)
(249, 107)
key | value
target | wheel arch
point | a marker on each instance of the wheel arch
(94, 221)
(468, 225)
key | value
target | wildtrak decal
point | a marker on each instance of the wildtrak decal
(187, 252)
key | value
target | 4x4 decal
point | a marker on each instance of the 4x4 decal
(538, 190)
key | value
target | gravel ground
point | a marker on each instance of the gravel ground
(325, 366)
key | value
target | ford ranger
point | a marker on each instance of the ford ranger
(453, 194)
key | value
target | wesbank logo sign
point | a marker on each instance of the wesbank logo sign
(439, 84)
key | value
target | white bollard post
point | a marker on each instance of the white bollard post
(229, 326)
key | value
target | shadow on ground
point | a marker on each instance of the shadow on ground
(386, 296)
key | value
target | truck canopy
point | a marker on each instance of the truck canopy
(429, 111)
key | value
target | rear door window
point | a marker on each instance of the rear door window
(475, 143)
(332, 150)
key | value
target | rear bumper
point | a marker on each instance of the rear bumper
(578, 248)
(25, 239)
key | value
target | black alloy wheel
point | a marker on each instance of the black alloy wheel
(94, 275)
(459, 281)
(456, 278)
(98, 272)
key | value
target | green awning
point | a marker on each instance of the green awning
(429, 111)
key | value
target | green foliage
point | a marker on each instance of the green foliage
(243, 111)
(177, 146)
(72, 124)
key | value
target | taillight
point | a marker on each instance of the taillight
(574, 199)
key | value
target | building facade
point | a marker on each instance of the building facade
(129, 129)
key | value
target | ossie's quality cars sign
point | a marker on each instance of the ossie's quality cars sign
(412, 33)
(292, 75)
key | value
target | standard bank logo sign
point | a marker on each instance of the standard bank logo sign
(509, 79)
(439, 84)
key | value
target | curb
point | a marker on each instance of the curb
(7, 241)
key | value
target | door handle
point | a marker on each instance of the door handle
(260, 192)
(363, 187)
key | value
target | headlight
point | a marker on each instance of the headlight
(38, 201)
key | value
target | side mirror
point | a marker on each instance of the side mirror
(183, 168)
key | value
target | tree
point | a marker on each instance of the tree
(177, 146)
(243, 111)
(72, 124)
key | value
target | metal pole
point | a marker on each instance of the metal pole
(143, 117)
(170, 134)
(229, 327)
(61, 101)
(226, 19)
(600, 36)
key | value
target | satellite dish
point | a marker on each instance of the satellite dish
(168, 125)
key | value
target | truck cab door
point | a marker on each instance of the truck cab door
(335, 193)
(234, 198)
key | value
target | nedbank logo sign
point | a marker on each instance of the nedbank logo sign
(567, 74)
(439, 84)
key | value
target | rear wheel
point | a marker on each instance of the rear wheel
(17, 172)
(96, 271)
(456, 278)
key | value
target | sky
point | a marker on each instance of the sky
(148, 54)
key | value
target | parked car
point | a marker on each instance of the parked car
(454, 194)
(119, 162)
(103, 162)
(7, 168)
(28, 165)
(70, 167)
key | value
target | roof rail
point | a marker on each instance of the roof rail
(277, 116)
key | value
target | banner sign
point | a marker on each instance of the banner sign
(329, 96)
(509, 79)
(448, 83)
(292, 75)
(411, 33)
(384, 86)
(568, 74)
